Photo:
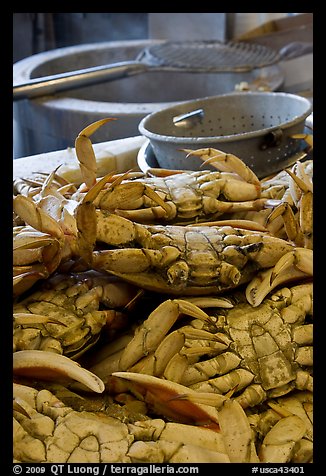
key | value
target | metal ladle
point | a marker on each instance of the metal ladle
(189, 119)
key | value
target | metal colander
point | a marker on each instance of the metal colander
(256, 127)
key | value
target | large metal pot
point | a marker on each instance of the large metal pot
(52, 122)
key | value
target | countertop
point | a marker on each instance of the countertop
(117, 155)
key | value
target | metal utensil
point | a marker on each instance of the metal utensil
(183, 56)
(189, 119)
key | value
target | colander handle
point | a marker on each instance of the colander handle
(272, 139)
(188, 119)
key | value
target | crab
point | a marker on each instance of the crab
(173, 259)
(48, 238)
(257, 353)
(67, 314)
(220, 371)
(174, 197)
(47, 430)
(190, 260)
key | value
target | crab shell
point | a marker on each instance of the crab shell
(189, 260)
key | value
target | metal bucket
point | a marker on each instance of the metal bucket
(256, 127)
(52, 122)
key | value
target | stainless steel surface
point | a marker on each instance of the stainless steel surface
(256, 127)
(192, 56)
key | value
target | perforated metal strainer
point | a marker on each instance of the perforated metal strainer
(210, 56)
(257, 127)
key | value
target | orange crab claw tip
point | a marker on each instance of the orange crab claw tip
(18, 408)
(51, 366)
(172, 398)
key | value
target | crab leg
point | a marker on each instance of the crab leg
(304, 203)
(293, 265)
(237, 433)
(167, 398)
(238, 378)
(236, 223)
(25, 279)
(299, 225)
(154, 329)
(129, 196)
(226, 163)
(85, 152)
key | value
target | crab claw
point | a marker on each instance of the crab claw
(300, 259)
(281, 439)
(237, 433)
(48, 366)
(37, 218)
(308, 138)
(294, 265)
(226, 163)
(168, 398)
(25, 280)
(17, 407)
(85, 152)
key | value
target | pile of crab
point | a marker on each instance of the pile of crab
(163, 317)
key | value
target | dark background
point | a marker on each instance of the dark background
(37, 32)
